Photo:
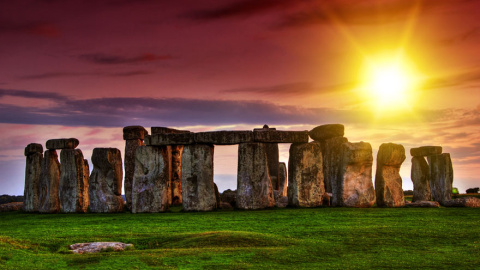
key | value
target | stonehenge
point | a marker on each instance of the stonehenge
(175, 167)
(388, 183)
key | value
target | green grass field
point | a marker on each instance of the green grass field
(319, 238)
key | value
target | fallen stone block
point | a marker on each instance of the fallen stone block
(388, 182)
(70, 143)
(48, 184)
(426, 151)
(96, 247)
(325, 132)
(105, 183)
(134, 133)
(198, 190)
(463, 202)
(12, 206)
(420, 175)
(224, 137)
(161, 139)
(73, 186)
(254, 187)
(276, 136)
(423, 204)
(355, 188)
(305, 175)
(229, 196)
(151, 178)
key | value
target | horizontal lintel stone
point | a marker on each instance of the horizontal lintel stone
(169, 139)
(33, 148)
(276, 136)
(165, 130)
(426, 151)
(224, 137)
(134, 133)
(70, 143)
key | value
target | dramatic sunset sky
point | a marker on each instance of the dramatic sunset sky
(86, 69)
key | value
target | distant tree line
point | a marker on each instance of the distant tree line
(8, 198)
(473, 190)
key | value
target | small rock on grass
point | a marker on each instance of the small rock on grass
(96, 247)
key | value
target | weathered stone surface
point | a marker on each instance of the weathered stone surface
(165, 130)
(105, 183)
(33, 170)
(229, 196)
(276, 136)
(225, 206)
(218, 199)
(282, 178)
(175, 196)
(33, 148)
(325, 132)
(134, 133)
(70, 143)
(281, 202)
(441, 173)
(426, 151)
(463, 202)
(73, 186)
(224, 137)
(331, 149)
(254, 187)
(305, 175)
(420, 175)
(129, 164)
(355, 188)
(48, 184)
(388, 182)
(327, 199)
(96, 247)
(198, 190)
(12, 206)
(272, 161)
(151, 178)
(161, 139)
(424, 204)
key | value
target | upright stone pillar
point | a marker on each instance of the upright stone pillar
(305, 175)
(150, 181)
(282, 178)
(272, 160)
(441, 172)
(73, 186)
(34, 157)
(105, 183)
(388, 182)
(49, 181)
(331, 139)
(355, 186)
(420, 175)
(133, 136)
(198, 190)
(175, 182)
(254, 187)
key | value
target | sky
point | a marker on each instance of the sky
(86, 69)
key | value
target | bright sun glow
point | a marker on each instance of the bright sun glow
(389, 83)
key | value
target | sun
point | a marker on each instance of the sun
(389, 83)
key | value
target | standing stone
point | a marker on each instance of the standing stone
(282, 178)
(198, 190)
(254, 187)
(49, 181)
(388, 182)
(420, 175)
(133, 136)
(150, 181)
(305, 175)
(175, 182)
(331, 149)
(73, 186)
(34, 157)
(441, 173)
(355, 186)
(105, 183)
(273, 160)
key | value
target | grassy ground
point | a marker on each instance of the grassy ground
(320, 238)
